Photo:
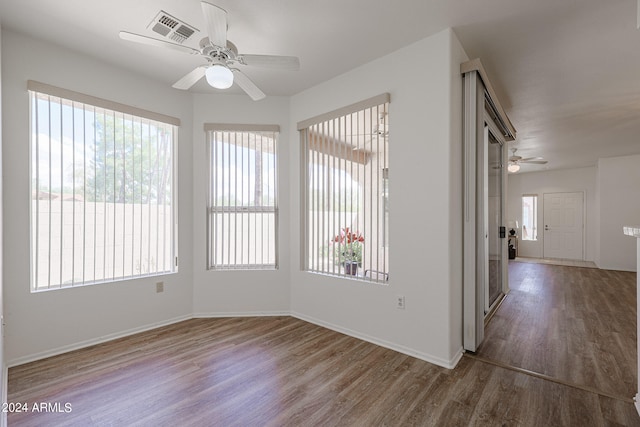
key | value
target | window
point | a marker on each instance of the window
(242, 209)
(530, 217)
(346, 210)
(102, 190)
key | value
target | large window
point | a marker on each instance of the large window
(102, 190)
(346, 210)
(530, 217)
(242, 208)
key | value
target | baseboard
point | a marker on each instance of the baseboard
(449, 364)
(241, 314)
(94, 341)
(456, 358)
(636, 402)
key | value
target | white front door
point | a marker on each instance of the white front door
(563, 225)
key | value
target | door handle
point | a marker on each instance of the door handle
(546, 228)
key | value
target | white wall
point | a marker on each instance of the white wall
(425, 197)
(38, 324)
(228, 293)
(619, 183)
(556, 181)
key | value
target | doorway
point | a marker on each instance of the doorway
(485, 263)
(563, 219)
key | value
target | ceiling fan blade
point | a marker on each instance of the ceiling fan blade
(531, 158)
(247, 85)
(125, 35)
(291, 63)
(535, 162)
(216, 21)
(191, 78)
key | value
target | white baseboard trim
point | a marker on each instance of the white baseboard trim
(636, 402)
(241, 314)
(449, 364)
(456, 358)
(94, 341)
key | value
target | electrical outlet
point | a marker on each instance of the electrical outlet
(159, 287)
(400, 302)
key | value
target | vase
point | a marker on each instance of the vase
(351, 268)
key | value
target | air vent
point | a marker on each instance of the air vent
(167, 20)
(161, 29)
(171, 28)
(182, 33)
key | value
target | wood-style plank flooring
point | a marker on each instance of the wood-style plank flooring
(574, 324)
(571, 323)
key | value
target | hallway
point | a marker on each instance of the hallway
(572, 325)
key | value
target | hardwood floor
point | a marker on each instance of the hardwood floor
(282, 371)
(575, 324)
(558, 261)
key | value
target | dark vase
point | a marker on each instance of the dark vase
(351, 268)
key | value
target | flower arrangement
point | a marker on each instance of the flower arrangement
(350, 246)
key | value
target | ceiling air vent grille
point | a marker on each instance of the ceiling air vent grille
(168, 21)
(182, 33)
(171, 28)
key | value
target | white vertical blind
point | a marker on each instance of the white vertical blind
(102, 193)
(346, 200)
(242, 209)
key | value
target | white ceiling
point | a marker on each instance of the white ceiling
(566, 71)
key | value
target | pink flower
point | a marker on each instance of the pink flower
(348, 236)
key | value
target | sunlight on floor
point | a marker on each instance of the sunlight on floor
(566, 262)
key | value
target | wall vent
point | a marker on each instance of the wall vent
(171, 28)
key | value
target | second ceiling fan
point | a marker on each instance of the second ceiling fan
(515, 161)
(222, 56)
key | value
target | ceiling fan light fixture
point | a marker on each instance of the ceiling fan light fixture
(219, 76)
(513, 167)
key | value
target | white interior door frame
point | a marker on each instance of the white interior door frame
(473, 298)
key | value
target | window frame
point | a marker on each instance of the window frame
(534, 220)
(271, 132)
(125, 114)
(320, 136)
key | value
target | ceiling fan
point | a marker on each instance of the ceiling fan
(222, 56)
(515, 161)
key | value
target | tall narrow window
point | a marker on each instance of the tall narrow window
(102, 190)
(346, 211)
(242, 209)
(530, 217)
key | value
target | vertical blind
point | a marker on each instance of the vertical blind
(102, 202)
(346, 204)
(242, 209)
